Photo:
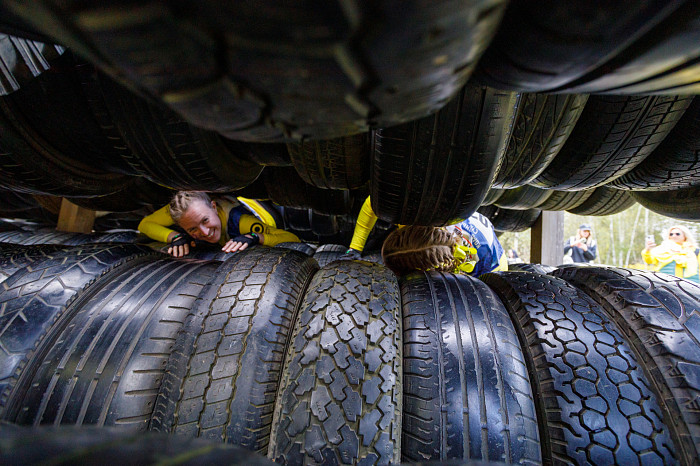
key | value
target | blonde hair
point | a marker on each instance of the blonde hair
(419, 248)
(182, 200)
(689, 238)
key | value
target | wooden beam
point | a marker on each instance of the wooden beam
(547, 239)
(74, 218)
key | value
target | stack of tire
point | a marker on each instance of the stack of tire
(348, 364)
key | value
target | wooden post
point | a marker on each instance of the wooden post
(74, 218)
(547, 239)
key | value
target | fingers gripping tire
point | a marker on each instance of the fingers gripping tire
(658, 314)
(222, 379)
(108, 363)
(462, 359)
(437, 170)
(36, 301)
(593, 401)
(340, 396)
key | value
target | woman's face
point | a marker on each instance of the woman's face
(676, 235)
(585, 233)
(201, 222)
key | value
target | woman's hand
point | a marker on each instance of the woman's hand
(650, 244)
(179, 246)
(241, 243)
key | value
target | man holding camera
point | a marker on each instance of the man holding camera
(581, 248)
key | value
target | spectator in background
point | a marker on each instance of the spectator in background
(581, 248)
(513, 257)
(676, 255)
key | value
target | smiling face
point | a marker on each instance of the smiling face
(676, 236)
(201, 222)
(585, 233)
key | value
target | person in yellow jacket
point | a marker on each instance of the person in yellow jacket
(224, 220)
(675, 255)
(470, 246)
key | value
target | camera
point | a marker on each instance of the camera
(584, 240)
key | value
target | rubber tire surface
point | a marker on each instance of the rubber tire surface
(523, 198)
(35, 302)
(682, 204)
(510, 220)
(310, 70)
(675, 163)
(492, 195)
(341, 390)
(305, 248)
(462, 359)
(108, 363)
(542, 125)
(613, 135)
(554, 46)
(15, 257)
(171, 152)
(604, 201)
(534, 268)
(223, 377)
(565, 200)
(32, 164)
(593, 400)
(66, 445)
(341, 163)
(658, 314)
(286, 188)
(436, 171)
(23, 60)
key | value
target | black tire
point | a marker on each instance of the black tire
(492, 195)
(554, 46)
(683, 204)
(118, 237)
(286, 188)
(467, 394)
(267, 155)
(324, 258)
(32, 164)
(327, 253)
(341, 163)
(437, 170)
(542, 125)
(37, 303)
(565, 200)
(331, 248)
(139, 192)
(305, 248)
(657, 314)
(14, 257)
(107, 365)
(604, 201)
(374, 65)
(171, 152)
(523, 198)
(373, 256)
(67, 445)
(510, 220)
(675, 164)
(49, 236)
(224, 374)
(534, 268)
(593, 401)
(613, 135)
(23, 60)
(341, 388)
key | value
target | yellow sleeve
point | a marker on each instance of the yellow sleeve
(155, 225)
(365, 222)
(646, 255)
(272, 236)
